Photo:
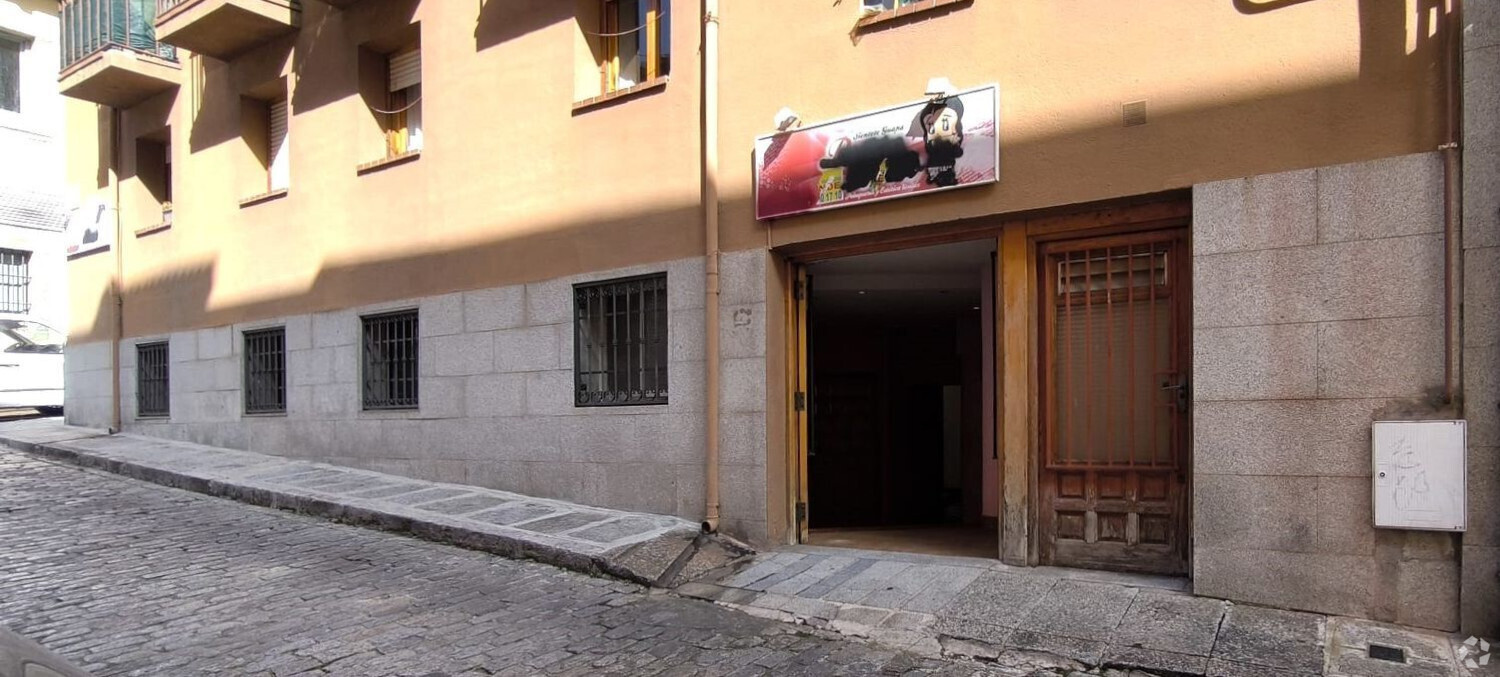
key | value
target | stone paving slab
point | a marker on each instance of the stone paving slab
(1075, 620)
(122, 577)
(640, 547)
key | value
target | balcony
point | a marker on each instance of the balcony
(110, 54)
(223, 29)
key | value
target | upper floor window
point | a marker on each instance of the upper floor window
(10, 74)
(153, 166)
(403, 116)
(278, 148)
(15, 280)
(265, 129)
(635, 42)
(883, 5)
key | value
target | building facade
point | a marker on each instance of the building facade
(33, 276)
(1191, 253)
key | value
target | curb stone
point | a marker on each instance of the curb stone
(658, 562)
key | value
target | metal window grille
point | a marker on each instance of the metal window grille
(10, 75)
(620, 341)
(15, 281)
(390, 361)
(265, 371)
(152, 390)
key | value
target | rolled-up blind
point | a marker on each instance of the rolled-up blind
(280, 169)
(406, 69)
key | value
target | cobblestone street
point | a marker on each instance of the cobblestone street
(123, 577)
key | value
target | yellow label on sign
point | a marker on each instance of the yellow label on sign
(831, 186)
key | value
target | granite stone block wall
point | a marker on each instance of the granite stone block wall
(1317, 309)
(1480, 596)
(496, 397)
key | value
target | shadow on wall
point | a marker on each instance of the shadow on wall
(504, 20)
(1202, 142)
(178, 295)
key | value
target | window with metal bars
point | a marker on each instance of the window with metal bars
(390, 361)
(152, 390)
(15, 281)
(620, 341)
(10, 74)
(265, 371)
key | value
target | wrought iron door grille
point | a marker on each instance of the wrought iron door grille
(620, 341)
(265, 371)
(15, 281)
(390, 361)
(152, 389)
(1113, 342)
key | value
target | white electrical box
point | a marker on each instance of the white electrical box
(1420, 474)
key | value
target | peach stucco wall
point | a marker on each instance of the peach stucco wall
(513, 185)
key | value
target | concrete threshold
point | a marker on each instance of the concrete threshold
(1064, 621)
(654, 550)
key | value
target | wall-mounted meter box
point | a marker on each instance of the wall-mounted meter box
(1420, 475)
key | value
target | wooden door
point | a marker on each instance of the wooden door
(1113, 391)
(801, 378)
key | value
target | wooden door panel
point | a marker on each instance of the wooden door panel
(1114, 352)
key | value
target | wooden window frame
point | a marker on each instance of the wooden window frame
(609, 63)
(397, 125)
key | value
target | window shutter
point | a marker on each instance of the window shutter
(279, 167)
(406, 69)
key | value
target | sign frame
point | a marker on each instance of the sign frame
(763, 141)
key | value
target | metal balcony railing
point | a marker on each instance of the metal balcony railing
(92, 25)
(163, 6)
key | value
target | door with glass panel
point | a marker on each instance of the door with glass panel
(1113, 388)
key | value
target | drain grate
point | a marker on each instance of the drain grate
(1388, 653)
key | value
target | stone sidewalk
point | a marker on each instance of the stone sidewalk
(1076, 619)
(1015, 618)
(650, 549)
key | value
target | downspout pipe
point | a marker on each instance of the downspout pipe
(709, 142)
(1452, 206)
(117, 286)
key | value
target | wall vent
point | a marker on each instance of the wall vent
(1388, 653)
(1133, 113)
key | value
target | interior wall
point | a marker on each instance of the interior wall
(1317, 309)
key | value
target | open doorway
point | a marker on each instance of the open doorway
(900, 412)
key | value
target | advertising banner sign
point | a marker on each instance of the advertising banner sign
(90, 228)
(914, 148)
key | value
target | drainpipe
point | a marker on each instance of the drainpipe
(1452, 206)
(118, 285)
(709, 142)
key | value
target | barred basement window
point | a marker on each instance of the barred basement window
(620, 341)
(265, 371)
(152, 392)
(390, 361)
(15, 281)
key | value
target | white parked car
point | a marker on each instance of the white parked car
(31, 365)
